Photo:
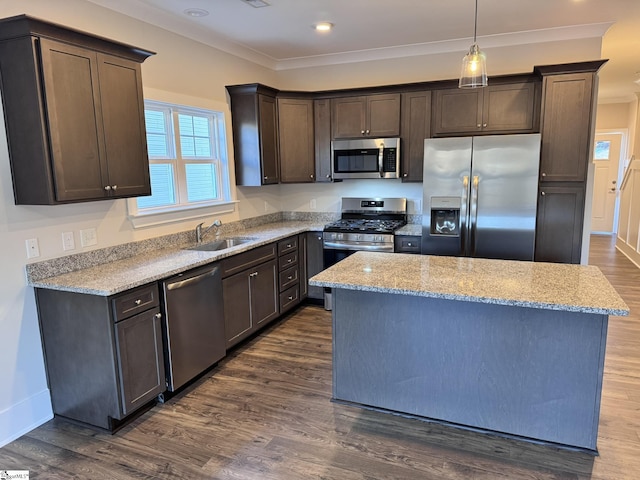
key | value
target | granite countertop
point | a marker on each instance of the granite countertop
(117, 276)
(410, 229)
(554, 286)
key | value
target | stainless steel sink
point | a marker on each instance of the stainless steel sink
(221, 244)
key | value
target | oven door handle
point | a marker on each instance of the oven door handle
(357, 246)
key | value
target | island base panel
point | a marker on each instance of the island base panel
(521, 371)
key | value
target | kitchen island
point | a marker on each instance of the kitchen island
(508, 347)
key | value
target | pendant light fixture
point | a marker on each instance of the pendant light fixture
(474, 63)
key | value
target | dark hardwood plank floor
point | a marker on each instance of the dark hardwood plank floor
(265, 413)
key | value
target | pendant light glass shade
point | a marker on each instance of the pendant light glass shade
(474, 69)
(474, 63)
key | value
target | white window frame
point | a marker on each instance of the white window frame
(182, 209)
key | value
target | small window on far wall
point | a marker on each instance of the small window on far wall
(187, 158)
(602, 150)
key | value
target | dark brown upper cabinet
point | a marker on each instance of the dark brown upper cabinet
(366, 116)
(416, 126)
(254, 121)
(74, 114)
(296, 140)
(568, 106)
(501, 108)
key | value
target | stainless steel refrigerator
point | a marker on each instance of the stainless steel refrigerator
(480, 196)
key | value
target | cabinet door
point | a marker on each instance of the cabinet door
(71, 92)
(416, 126)
(566, 127)
(237, 307)
(140, 359)
(268, 139)
(302, 266)
(124, 130)
(457, 112)
(348, 117)
(509, 108)
(314, 262)
(383, 115)
(295, 134)
(322, 127)
(263, 281)
(559, 224)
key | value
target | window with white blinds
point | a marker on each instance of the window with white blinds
(187, 158)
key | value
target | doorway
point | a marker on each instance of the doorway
(608, 153)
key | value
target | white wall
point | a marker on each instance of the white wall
(186, 68)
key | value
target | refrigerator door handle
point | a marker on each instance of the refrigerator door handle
(473, 214)
(463, 215)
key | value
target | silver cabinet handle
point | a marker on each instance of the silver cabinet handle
(254, 274)
(114, 187)
(362, 132)
(542, 193)
(311, 176)
(289, 260)
(290, 297)
(290, 277)
(138, 302)
(107, 187)
(158, 315)
(368, 131)
(328, 175)
(479, 126)
(409, 244)
(484, 125)
(544, 174)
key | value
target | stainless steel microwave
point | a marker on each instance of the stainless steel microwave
(365, 158)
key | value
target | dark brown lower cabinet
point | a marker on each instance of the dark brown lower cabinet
(315, 262)
(559, 223)
(250, 294)
(103, 355)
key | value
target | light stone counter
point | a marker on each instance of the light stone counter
(574, 288)
(113, 277)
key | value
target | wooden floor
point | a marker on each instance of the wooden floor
(265, 413)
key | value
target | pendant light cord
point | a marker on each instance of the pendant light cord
(475, 25)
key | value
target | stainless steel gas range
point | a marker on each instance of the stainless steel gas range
(366, 224)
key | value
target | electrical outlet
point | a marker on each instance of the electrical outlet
(33, 250)
(88, 237)
(68, 242)
(312, 204)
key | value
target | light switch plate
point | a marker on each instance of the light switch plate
(68, 242)
(88, 237)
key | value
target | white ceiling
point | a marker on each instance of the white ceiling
(281, 36)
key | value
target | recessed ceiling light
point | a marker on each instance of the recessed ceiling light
(196, 12)
(323, 26)
(256, 3)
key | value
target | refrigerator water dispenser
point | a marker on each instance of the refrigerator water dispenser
(445, 216)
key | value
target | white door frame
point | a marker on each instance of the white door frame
(624, 148)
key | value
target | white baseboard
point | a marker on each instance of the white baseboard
(24, 416)
(628, 251)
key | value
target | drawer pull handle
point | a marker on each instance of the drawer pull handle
(288, 245)
(158, 315)
(290, 277)
(409, 244)
(138, 302)
(289, 260)
(290, 297)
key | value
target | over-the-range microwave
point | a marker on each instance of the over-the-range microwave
(365, 158)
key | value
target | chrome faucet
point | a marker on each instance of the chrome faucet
(200, 233)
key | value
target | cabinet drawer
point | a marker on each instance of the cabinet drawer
(135, 301)
(287, 245)
(240, 262)
(288, 260)
(407, 244)
(289, 298)
(288, 278)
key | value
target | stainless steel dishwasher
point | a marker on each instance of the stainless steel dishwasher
(193, 324)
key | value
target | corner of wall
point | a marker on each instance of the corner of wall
(24, 416)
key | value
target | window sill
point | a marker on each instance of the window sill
(178, 214)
